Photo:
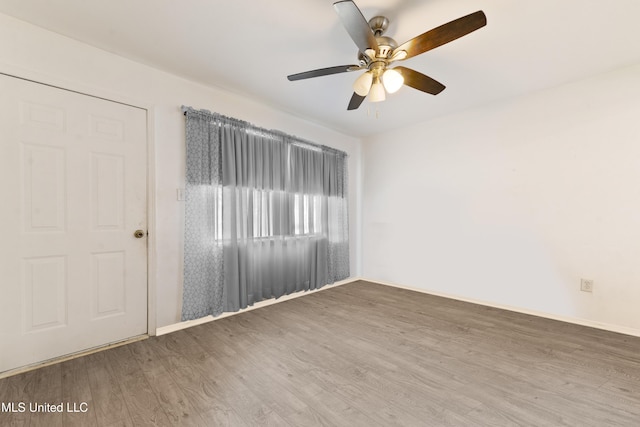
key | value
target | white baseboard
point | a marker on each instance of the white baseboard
(189, 323)
(577, 321)
(574, 320)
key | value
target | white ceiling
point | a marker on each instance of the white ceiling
(250, 46)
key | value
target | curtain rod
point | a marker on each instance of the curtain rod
(296, 140)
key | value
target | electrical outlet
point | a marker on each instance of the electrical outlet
(586, 285)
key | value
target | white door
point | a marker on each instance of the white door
(72, 192)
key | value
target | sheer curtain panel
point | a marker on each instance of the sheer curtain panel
(265, 215)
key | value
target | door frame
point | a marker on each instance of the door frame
(94, 92)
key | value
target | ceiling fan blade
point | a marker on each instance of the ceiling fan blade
(355, 101)
(419, 81)
(443, 34)
(323, 72)
(356, 25)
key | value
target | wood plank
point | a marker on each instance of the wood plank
(381, 369)
(235, 393)
(15, 390)
(174, 401)
(108, 401)
(47, 391)
(76, 392)
(298, 390)
(143, 405)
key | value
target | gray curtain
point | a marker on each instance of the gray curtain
(265, 215)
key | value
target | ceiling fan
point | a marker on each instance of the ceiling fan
(377, 52)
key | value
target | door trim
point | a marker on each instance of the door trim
(95, 92)
(60, 359)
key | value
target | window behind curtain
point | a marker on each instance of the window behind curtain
(265, 215)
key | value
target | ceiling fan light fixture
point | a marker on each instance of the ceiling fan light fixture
(376, 52)
(377, 93)
(392, 80)
(362, 85)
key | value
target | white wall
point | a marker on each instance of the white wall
(35, 53)
(513, 203)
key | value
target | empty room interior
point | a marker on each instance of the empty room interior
(369, 213)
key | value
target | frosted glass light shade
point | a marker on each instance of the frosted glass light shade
(377, 92)
(392, 80)
(363, 83)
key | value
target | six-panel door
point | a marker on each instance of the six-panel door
(73, 191)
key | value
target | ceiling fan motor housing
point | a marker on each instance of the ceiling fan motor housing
(386, 45)
(379, 25)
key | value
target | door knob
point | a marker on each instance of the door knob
(139, 234)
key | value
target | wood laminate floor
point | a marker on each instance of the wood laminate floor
(355, 355)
